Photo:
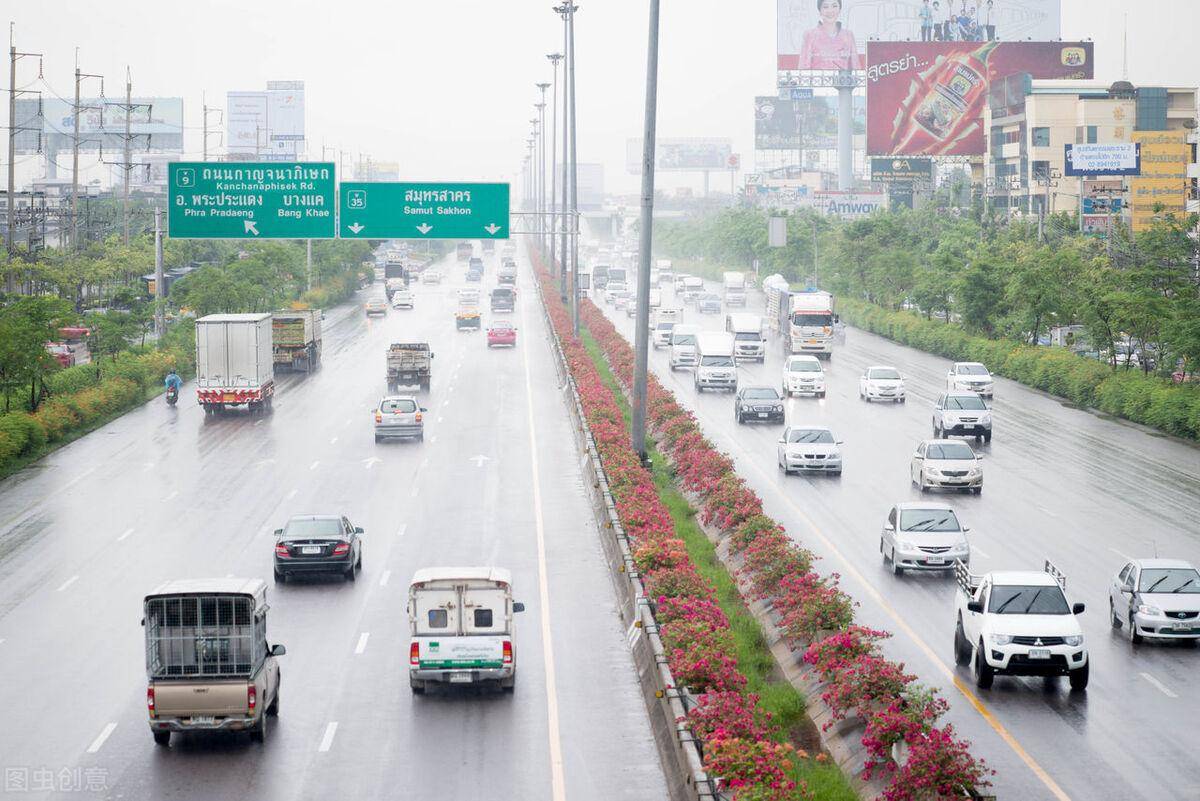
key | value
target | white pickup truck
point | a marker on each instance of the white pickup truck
(1018, 623)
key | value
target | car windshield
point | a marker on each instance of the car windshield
(501, 325)
(964, 402)
(709, 298)
(803, 366)
(747, 336)
(950, 450)
(757, 393)
(810, 435)
(884, 373)
(400, 406)
(683, 339)
(1170, 579)
(1025, 600)
(321, 527)
(716, 361)
(928, 520)
(972, 369)
(502, 293)
(665, 325)
(812, 318)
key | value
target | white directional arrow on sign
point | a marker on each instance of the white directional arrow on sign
(424, 228)
(480, 459)
(355, 228)
(491, 228)
(251, 227)
(369, 463)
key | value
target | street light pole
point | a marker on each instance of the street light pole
(554, 59)
(642, 336)
(571, 9)
(568, 89)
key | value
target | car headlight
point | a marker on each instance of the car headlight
(931, 471)
(1000, 639)
(986, 417)
(975, 471)
(904, 546)
(961, 546)
(1073, 640)
(836, 456)
(1146, 609)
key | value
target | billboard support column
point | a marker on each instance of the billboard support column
(160, 293)
(845, 138)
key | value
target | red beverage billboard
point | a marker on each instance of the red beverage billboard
(928, 98)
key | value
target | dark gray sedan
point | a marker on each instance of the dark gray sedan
(762, 404)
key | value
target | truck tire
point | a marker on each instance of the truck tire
(273, 709)
(1079, 677)
(962, 648)
(259, 733)
(984, 674)
(162, 737)
(508, 685)
(425, 385)
(417, 686)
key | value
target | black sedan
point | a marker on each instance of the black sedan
(762, 404)
(318, 544)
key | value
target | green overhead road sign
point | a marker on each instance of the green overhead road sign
(379, 210)
(251, 200)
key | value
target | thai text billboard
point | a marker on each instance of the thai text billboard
(928, 98)
(1116, 158)
(1163, 179)
(832, 34)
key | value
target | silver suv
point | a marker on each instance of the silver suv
(962, 413)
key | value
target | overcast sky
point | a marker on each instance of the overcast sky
(446, 88)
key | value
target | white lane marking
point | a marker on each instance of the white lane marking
(362, 642)
(400, 531)
(445, 403)
(1123, 556)
(147, 466)
(349, 420)
(172, 496)
(313, 466)
(125, 534)
(424, 464)
(68, 583)
(258, 422)
(99, 741)
(79, 477)
(383, 581)
(557, 782)
(980, 551)
(333, 441)
(432, 438)
(415, 489)
(228, 575)
(440, 418)
(292, 494)
(1159, 685)
(450, 389)
(327, 740)
(1, 641)
(371, 462)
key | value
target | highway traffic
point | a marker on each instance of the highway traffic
(1062, 485)
(172, 492)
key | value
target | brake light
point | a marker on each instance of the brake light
(281, 551)
(150, 699)
(508, 652)
(418, 417)
(341, 549)
(378, 417)
(414, 653)
(251, 697)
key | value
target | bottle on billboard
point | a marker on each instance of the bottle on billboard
(944, 103)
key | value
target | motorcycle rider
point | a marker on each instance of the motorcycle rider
(173, 381)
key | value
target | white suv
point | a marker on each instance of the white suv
(962, 414)
(970, 376)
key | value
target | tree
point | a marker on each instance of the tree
(979, 293)
(26, 325)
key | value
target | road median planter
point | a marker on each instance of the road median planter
(865, 706)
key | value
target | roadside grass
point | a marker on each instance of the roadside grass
(777, 696)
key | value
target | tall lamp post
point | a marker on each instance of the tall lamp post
(541, 107)
(554, 59)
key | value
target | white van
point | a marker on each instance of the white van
(461, 623)
(715, 365)
(693, 287)
(683, 345)
(748, 339)
(665, 320)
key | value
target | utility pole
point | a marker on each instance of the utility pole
(571, 9)
(127, 165)
(13, 129)
(554, 59)
(562, 288)
(76, 109)
(207, 109)
(541, 107)
(160, 292)
(642, 335)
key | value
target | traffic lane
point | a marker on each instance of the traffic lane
(941, 598)
(209, 559)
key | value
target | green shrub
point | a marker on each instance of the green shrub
(72, 379)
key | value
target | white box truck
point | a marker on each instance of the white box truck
(234, 362)
(735, 288)
(749, 342)
(665, 320)
(715, 365)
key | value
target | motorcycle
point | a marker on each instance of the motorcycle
(172, 395)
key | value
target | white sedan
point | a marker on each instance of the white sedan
(946, 463)
(431, 276)
(880, 382)
(809, 449)
(803, 374)
(402, 299)
(971, 376)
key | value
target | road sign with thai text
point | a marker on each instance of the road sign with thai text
(394, 210)
(251, 200)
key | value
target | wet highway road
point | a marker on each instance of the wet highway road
(1061, 484)
(164, 493)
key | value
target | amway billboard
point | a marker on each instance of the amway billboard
(928, 98)
(681, 154)
(1117, 158)
(831, 35)
(847, 205)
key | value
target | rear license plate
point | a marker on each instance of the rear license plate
(228, 398)
(762, 414)
(203, 720)
(1039, 653)
(460, 677)
(313, 549)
